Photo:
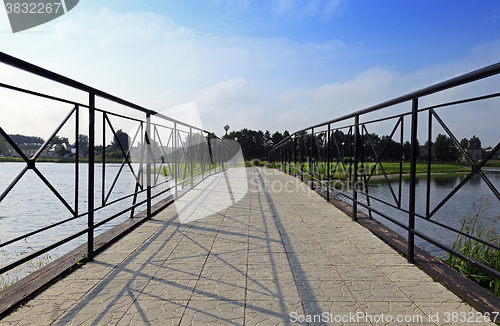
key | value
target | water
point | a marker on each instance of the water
(461, 204)
(31, 205)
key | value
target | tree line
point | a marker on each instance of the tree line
(373, 146)
(256, 144)
(112, 151)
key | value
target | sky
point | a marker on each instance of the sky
(265, 65)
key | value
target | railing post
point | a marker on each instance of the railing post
(355, 176)
(90, 224)
(190, 154)
(311, 158)
(148, 162)
(176, 153)
(77, 158)
(302, 157)
(413, 170)
(103, 177)
(294, 155)
(327, 140)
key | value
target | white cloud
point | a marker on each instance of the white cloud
(150, 60)
(307, 8)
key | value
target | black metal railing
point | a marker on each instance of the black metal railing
(165, 157)
(342, 158)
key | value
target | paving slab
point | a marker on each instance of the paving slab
(276, 255)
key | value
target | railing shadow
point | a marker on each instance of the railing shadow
(181, 266)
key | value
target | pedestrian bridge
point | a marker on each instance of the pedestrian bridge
(280, 255)
(238, 246)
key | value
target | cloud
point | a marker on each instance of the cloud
(307, 8)
(244, 104)
(149, 59)
(295, 9)
(247, 82)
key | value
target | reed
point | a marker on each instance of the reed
(477, 225)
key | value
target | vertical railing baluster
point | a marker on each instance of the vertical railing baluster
(328, 140)
(90, 224)
(148, 162)
(175, 160)
(311, 158)
(154, 156)
(302, 157)
(429, 159)
(190, 154)
(103, 191)
(355, 172)
(401, 154)
(77, 158)
(210, 155)
(294, 156)
(413, 169)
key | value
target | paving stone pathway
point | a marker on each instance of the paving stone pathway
(281, 255)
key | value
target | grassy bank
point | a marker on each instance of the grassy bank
(60, 160)
(473, 224)
(390, 168)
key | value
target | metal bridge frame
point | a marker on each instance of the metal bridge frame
(313, 153)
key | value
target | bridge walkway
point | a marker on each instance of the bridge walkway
(280, 254)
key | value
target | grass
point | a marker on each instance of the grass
(390, 168)
(24, 270)
(60, 160)
(474, 225)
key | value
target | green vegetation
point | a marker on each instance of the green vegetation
(98, 159)
(390, 168)
(492, 163)
(24, 270)
(256, 144)
(473, 224)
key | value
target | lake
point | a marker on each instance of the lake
(459, 205)
(31, 205)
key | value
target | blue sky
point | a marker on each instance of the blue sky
(275, 64)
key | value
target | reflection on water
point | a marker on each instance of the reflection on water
(31, 205)
(440, 186)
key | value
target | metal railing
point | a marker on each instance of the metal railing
(165, 155)
(340, 157)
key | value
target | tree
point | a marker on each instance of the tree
(445, 149)
(464, 143)
(407, 151)
(59, 140)
(276, 138)
(3, 145)
(83, 143)
(391, 149)
(268, 142)
(475, 143)
(121, 138)
(21, 139)
(62, 151)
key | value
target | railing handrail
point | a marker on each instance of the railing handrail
(310, 153)
(180, 158)
(42, 72)
(484, 72)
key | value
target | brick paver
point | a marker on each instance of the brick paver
(278, 255)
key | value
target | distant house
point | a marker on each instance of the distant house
(424, 150)
(69, 147)
(28, 149)
(474, 153)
